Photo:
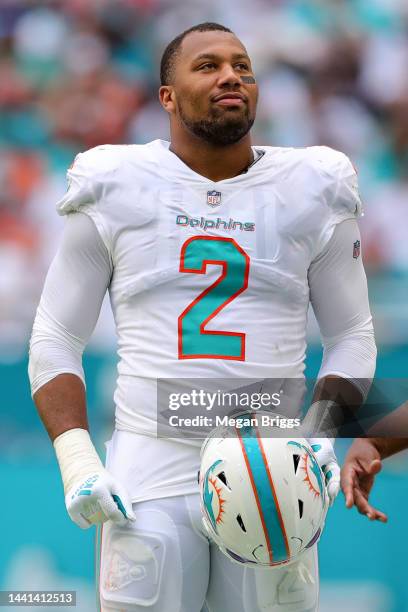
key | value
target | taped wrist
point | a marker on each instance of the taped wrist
(324, 419)
(77, 456)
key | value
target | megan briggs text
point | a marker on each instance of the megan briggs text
(240, 422)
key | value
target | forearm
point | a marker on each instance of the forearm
(61, 405)
(388, 446)
(335, 402)
(387, 436)
(337, 389)
(92, 496)
(393, 425)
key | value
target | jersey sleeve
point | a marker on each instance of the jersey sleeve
(339, 297)
(89, 178)
(70, 303)
(340, 192)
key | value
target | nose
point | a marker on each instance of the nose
(228, 76)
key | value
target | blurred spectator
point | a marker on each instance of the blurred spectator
(78, 73)
(92, 109)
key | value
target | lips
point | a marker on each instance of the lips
(230, 98)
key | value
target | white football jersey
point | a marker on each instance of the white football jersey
(210, 280)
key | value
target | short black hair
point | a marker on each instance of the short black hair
(173, 48)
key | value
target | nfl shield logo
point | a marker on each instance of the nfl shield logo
(213, 198)
(356, 249)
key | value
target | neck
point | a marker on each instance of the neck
(215, 163)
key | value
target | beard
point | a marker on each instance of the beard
(221, 128)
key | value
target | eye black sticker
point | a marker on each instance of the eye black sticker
(248, 80)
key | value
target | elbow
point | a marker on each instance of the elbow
(49, 357)
(353, 357)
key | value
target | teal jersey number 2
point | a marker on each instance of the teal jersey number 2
(194, 340)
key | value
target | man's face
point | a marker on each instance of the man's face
(210, 98)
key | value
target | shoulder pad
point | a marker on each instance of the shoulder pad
(339, 180)
(88, 177)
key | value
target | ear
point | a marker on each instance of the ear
(167, 98)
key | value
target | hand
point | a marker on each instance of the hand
(326, 458)
(98, 498)
(362, 464)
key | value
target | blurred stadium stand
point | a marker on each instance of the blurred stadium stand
(78, 73)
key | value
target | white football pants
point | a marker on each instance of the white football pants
(164, 563)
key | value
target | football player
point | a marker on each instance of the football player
(212, 250)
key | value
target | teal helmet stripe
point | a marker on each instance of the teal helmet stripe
(262, 484)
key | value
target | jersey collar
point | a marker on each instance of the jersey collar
(176, 163)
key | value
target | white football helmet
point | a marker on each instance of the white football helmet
(263, 499)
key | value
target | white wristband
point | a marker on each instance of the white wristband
(76, 456)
